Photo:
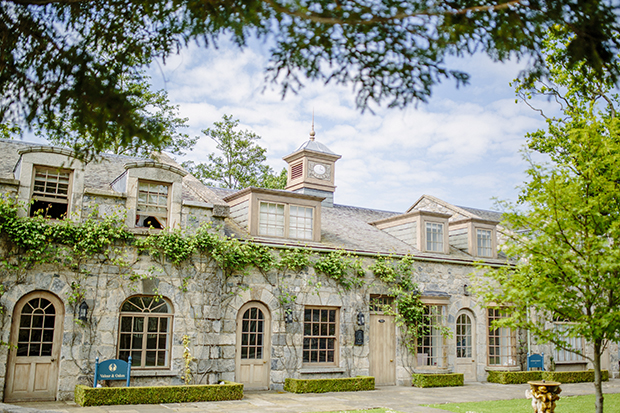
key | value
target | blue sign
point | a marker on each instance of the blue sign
(112, 370)
(535, 361)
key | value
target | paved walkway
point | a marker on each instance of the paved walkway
(404, 399)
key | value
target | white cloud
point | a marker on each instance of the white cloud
(462, 147)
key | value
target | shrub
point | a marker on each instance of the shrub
(329, 385)
(579, 376)
(103, 396)
(437, 380)
(513, 377)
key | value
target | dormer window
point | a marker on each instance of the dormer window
(484, 243)
(434, 237)
(152, 205)
(274, 216)
(475, 236)
(276, 213)
(50, 192)
(271, 220)
(301, 222)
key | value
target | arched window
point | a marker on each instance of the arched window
(145, 332)
(463, 336)
(36, 328)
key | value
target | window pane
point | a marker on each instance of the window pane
(147, 350)
(434, 237)
(319, 335)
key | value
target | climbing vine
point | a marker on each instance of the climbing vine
(27, 242)
(343, 267)
(409, 310)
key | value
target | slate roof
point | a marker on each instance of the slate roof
(484, 213)
(316, 146)
(342, 226)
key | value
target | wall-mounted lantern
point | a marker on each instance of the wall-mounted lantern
(83, 312)
(359, 338)
(466, 290)
(361, 320)
(288, 315)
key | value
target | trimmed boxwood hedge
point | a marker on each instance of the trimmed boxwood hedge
(578, 376)
(102, 396)
(328, 385)
(513, 377)
(437, 380)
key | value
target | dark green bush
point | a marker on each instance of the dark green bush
(103, 396)
(579, 376)
(513, 377)
(328, 385)
(437, 380)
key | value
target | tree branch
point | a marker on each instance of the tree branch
(316, 18)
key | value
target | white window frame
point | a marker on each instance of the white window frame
(165, 216)
(431, 244)
(431, 347)
(483, 250)
(48, 197)
(501, 342)
(288, 228)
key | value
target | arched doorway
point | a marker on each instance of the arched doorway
(465, 345)
(36, 338)
(253, 356)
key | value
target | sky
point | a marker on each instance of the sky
(463, 146)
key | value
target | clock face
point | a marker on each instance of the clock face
(319, 169)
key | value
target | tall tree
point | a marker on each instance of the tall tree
(154, 108)
(567, 253)
(67, 58)
(241, 162)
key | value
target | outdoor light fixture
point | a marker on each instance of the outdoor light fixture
(288, 316)
(361, 320)
(466, 290)
(83, 312)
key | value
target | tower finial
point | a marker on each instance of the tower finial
(312, 131)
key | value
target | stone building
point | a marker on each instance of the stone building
(253, 325)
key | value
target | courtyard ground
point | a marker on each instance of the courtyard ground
(403, 399)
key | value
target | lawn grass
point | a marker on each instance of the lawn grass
(575, 404)
(378, 410)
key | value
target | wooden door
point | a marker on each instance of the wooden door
(465, 348)
(253, 358)
(36, 334)
(383, 349)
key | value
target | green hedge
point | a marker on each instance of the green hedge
(579, 376)
(513, 377)
(437, 380)
(328, 385)
(103, 396)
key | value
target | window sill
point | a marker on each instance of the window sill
(144, 231)
(430, 369)
(153, 373)
(502, 368)
(571, 362)
(319, 370)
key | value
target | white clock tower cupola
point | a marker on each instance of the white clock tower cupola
(311, 170)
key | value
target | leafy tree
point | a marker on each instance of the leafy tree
(153, 107)
(567, 253)
(68, 58)
(241, 163)
(8, 131)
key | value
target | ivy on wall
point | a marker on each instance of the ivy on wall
(27, 242)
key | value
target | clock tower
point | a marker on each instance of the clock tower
(311, 170)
